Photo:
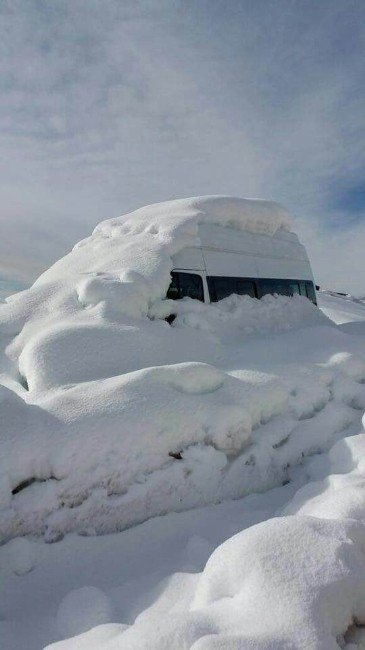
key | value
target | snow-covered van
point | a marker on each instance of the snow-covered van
(230, 261)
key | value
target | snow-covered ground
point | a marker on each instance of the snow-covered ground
(344, 310)
(235, 436)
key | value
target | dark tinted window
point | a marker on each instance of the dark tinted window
(293, 287)
(185, 285)
(246, 288)
(221, 287)
(281, 287)
(191, 285)
(288, 288)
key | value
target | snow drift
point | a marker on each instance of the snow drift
(289, 582)
(111, 416)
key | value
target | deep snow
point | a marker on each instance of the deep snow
(296, 580)
(111, 417)
(98, 392)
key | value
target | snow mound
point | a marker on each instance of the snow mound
(277, 582)
(235, 317)
(289, 582)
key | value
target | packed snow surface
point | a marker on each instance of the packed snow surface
(111, 417)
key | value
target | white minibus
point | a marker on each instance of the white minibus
(229, 261)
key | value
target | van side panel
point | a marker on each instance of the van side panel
(233, 253)
(284, 268)
(229, 252)
(283, 243)
(230, 264)
(189, 258)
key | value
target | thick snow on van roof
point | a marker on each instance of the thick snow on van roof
(144, 241)
(253, 215)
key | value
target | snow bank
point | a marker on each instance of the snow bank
(229, 320)
(111, 416)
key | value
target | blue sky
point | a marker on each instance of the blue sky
(108, 105)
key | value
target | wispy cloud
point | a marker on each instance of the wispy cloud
(106, 106)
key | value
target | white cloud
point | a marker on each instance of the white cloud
(108, 106)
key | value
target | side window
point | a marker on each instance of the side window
(280, 287)
(246, 288)
(185, 285)
(293, 287)
(288, 288)
(221, 287)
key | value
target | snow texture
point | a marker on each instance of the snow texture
(82, 609)
(20, 555)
